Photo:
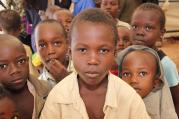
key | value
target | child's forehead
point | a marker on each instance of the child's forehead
(146, 12)
(50, 26)
(141, 54)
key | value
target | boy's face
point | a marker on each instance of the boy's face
(92, 50)
(110, 6)
(139, 70)
(14, 68)
(124, 38)
(146, 28)
(8, 109)
(63, 17)
(51, 43)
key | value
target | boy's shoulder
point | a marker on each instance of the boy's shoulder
(120, 86)
(42, 88)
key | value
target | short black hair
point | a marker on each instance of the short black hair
(157, 9)
(95, 15)
(51, 21)
(10, 20)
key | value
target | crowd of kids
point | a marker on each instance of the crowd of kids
(87, 63)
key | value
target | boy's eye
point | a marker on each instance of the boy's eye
(22, 61)
(3, 66)
(57, 43)
(126, 74)
(103, 51)
(42, 45)
(142, 74)
(15, 116)
(134, 27)
(148, 28)
(82, 50)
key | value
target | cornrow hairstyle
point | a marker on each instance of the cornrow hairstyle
(95, 15)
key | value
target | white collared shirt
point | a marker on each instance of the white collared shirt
(122, 102)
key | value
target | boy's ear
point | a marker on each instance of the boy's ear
(162, 31)
(157, 82)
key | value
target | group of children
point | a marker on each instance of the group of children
(78, 58)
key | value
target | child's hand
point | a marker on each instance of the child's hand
(57, 69)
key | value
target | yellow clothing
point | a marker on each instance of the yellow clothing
(122, 102)
(32, 69)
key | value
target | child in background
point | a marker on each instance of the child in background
(52, 47)
(8, 108)
(113, 7)
(28, 93)
(50, 11)
(65, 17)
(125, 40)
(92, 92)
(148, 25)
(141, 68)
(10, 23)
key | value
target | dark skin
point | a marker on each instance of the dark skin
(52, 47)
(95, 48)
(146, 30)
(94, 98)
(24, 101)
(14, 71)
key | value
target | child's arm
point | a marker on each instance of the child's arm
(175, 95)
(57, 70)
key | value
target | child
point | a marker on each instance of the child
(140, 67)
(124, 41)
(92, 92)
(148, 25)
(65, 17)
(28, 92)
(52, 47)
(112, 7)
(125, 38)
(10, 23)
(8, 108)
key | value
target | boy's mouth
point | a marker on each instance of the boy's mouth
(50, 60)
(17, 80)
(92, 74)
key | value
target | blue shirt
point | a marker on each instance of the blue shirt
(80, 5)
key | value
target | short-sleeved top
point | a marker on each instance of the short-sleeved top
(65, 102)
(170, 70)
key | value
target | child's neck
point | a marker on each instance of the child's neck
(102, 84)
(20, 91)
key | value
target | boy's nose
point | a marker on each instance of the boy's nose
(14, 69)
(93, 59)
(51, 50)
(140, 31)
(134, 79)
